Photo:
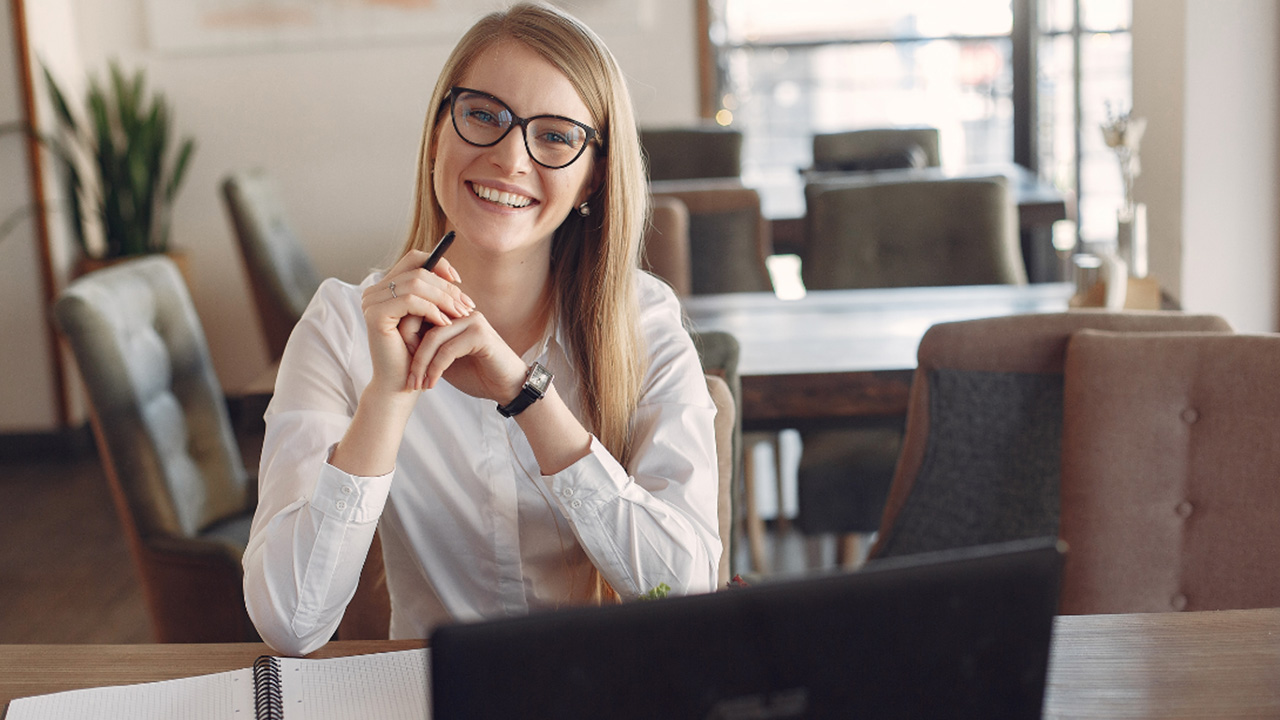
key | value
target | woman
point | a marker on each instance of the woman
(384, 406)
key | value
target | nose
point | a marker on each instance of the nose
(510, 153)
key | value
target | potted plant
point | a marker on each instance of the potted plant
(119, 178)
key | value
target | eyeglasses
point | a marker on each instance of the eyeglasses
(483, 120)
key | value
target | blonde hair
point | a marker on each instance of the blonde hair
(593, 258)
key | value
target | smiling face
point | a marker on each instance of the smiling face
(497, 198)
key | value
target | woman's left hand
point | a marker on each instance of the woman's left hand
(471, 355)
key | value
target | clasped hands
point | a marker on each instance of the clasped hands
(423, 327)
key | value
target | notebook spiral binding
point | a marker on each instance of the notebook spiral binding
(268, 701)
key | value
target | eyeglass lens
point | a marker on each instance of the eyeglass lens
(551, 141)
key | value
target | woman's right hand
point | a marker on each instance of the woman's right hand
(396, 314)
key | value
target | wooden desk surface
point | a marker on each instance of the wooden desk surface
(1157, 665)
(1166, 665)
(37, 669)
(835, 356)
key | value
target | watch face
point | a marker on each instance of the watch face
(539, 378)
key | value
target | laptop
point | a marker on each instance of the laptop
(955, 634)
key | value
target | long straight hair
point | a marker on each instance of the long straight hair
(593, 258)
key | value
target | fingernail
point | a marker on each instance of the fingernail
(467, 299)
(456, 277)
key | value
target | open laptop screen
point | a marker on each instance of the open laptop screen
(959, 634)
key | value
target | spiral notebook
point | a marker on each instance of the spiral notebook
(388, 686)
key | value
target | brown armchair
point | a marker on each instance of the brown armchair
(1170, 472)
(982, 456)
(160, 420)
(729, 237)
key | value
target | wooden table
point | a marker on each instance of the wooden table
(1159, 665)
(836, 356)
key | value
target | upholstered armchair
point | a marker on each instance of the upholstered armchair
(982, 457)
(179, 484)
(1171, 472)
(281, 274)
(729, 237)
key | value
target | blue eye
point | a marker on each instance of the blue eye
(482, 116)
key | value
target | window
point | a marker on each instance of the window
(788, 70)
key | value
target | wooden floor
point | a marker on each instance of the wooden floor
(65, 571)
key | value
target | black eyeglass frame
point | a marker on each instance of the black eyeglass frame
(455, 91)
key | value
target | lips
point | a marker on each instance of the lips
(500, 197)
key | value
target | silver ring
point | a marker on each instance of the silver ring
(392, 287)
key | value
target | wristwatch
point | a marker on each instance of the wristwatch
(535, 387)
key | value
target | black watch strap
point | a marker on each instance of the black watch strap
(536, 382)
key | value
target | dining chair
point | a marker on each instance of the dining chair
(179, 484)
(877, 149)
(701, 151)
(718, 352)
(666, 244)
(1170, 472)
(281, 274)
(877, 233)
(982, 456)
(874, 232)
(729, 238)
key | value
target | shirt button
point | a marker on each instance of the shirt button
(346, 489)
(342, 505)
(567, 492)
(1190, 415)
(575, 504)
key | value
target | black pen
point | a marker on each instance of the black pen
(438, 251)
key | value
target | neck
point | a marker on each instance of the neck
(514, 293)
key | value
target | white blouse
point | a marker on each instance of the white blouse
(470, 528)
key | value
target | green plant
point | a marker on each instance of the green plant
(124, 138)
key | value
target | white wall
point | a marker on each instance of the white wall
(27, 392)
(1207, 76)
(337, 124)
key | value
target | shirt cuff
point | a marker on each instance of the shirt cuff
(351, 498)
(592, 481)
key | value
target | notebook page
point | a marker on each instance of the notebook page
(220, 696)
(387, 686)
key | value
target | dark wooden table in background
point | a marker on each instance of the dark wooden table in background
(835, 357)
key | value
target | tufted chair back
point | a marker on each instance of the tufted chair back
(281, 274)
(982, 454)
(1171, 472)
(163, 432)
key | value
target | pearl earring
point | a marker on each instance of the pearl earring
(584, 209)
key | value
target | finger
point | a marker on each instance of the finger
(426, 356)
(446, 270)
(442, 292)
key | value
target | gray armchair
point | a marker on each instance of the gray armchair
(160, 420)
(681, 153)
(281, 274)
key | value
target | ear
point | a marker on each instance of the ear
(594, 182)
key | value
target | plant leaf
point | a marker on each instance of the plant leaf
(59, 101)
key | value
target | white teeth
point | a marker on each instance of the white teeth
(502, 198)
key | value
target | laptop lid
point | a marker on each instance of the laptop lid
(956, 634)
